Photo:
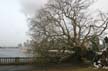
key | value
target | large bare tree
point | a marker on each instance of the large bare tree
(66, 23)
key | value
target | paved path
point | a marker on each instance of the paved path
(32, 67)
(20, 68)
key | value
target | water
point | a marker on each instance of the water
(12, 52)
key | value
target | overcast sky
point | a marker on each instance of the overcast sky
(13, 25)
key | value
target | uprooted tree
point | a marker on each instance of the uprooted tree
(65, 25)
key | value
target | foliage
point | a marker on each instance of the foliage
(95, 43)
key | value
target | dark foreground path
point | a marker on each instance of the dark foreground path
(34, 67)
(20, 68)
(58, 68)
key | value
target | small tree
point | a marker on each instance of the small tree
(95, 43)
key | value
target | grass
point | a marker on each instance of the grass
(71, 69)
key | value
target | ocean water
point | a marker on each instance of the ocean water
(12, 52)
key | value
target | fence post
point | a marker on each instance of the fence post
(17, 60)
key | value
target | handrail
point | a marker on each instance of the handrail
(16, 60)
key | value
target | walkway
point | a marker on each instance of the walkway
(19, 68)
(40, 68)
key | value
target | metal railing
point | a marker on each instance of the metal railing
(16, 60)
(27, 60)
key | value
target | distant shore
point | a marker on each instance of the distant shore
(9, 47)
